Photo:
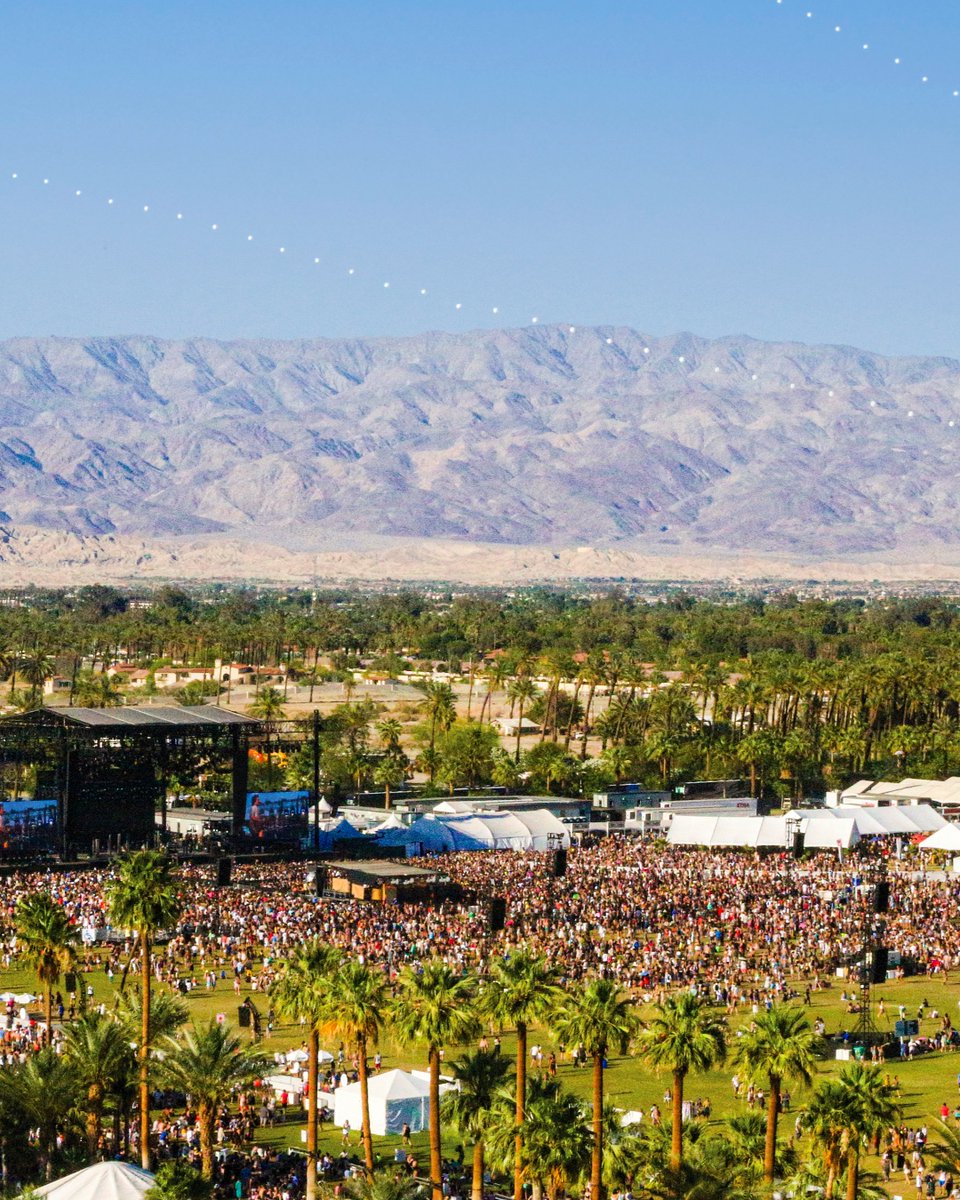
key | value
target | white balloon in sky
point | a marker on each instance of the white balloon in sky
(896, 62)
(866, 45)
(951, 423)
(76, 193)
(179, 216)
(793, 387)
(873, 404)
(458, 307)
(214, 227)
(924, 79)
(680, 359)
(316, 260)
(716, 370)
(350, 270)
(110, 201)
(146, 208)
(423, 292)
(283, 249)
(534, 320)
(836, 29)
(646, 349)
(830, 393)
(753, 376)
(46, 181)
(910, 413)
(386, 285)
(495, 310)
(609, 341)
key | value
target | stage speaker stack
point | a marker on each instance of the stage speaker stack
(878, 964)
(224, 870)
(498, 914)
(320, 880)
(798, 846)
(881, 896)
(559, 863)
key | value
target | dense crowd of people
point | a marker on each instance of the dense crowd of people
(745, 929)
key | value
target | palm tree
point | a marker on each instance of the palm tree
(520, 990)
(383, 1187)
(390, 772)
(684, 1037)
(358, 1004)
(480, 1076)
(47, 939)
(847, 1111)
(439, 705)
(436, 1009)
(45, 1089)
(599, 1017)
(303, 992)
(557, 1142)
(177, 1180)
(101, 1058)
(207, 1063)
(521, 691)
(781, 1044)
(97, 690)
(268, 706)
(144, 897)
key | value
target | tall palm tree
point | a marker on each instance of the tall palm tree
(435, 1008)
(144, 897)
(303, 992)
(522, 691)
(847, 1111)
(520, 990)
(780, 1044)
(207, 1063)
(358, 1005)
(599, 1017)
(47, 941)
(440, 708)
(101, 1057)
(480, 1076)
(684, 1036)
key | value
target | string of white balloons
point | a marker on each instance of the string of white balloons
(495, 310)
(896, 60)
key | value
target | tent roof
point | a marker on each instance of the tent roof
(393, 1085)
(102, 1181)
(947, 838)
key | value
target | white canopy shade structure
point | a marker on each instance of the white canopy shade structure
(285, 1083)
(947, 838)
(830, 835)
(102, 1181)
(690, 829)
(17, 997)
(436, 833)
(397, 1098)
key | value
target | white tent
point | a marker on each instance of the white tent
(840, 834)
(397, 1098)
(286, 1083)
(436, 832)
(102, 1181)
(689, 829)
(947, 838)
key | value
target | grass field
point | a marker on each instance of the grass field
(925, 1083)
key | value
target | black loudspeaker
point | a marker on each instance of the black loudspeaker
(881, 896)
(224, 869)
(798, 844)
(243, 1016)
(878, 965)
(559, 863)
(70, 981)
(320, 881)
(498, 914)
(906, 1028)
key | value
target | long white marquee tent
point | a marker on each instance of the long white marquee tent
(435, 833)
(822, 828)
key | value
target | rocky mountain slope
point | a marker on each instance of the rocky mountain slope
(542, 437)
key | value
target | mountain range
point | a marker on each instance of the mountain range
(524, 443)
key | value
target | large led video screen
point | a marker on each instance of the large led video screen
(27, 827)
(277, 816)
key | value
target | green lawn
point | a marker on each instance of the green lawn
(925, 1083)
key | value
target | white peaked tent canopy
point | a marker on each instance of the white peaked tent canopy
(435, 833)
(102, 1181)
(397, 1098)
(947, 838)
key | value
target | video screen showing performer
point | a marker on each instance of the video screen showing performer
(27, 827)
(277, 816)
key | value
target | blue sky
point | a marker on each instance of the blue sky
(722, 166)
